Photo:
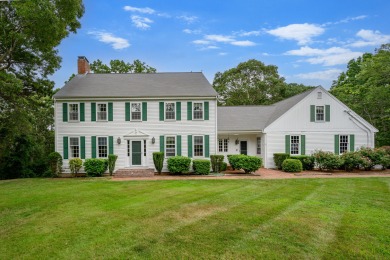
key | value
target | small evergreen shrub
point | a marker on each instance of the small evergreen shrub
(292, 165)
(233, 161)
(111, 163)
(327, 161)
(55, 163)
(201, 166)
(307, 161)
(158, 160)
(223, 167)
(352, 160)
(216, 162)
(279, 158)
(249, 163)
(95, 167)
(75, 165)
(179, 164)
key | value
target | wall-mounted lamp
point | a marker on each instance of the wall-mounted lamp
(118, 141)
(237, 142)
(153, 140)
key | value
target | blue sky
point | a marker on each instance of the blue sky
(309, 41)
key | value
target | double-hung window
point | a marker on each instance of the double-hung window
(258, 145)
(73, 112)
(320, 113)
(136, 111)
(102, 147)
(170, 111)
(343, 144)
(102, 112)
(170, 146)
(198, 146)
(223, 145)
(198, 111)
(74, 147)
(294, 144)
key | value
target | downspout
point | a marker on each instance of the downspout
(368, 131)
(55, 124)
(216, 126)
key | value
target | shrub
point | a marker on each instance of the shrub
(111, 162)
(249, 163)
(95, 167)
(216, 162)
(327, 160)
(55, 162)
(374, 156)
(233, 161)
(179, 164)
(279, 158)
(75, 165)
(201, 166)
(292, 165)
(223, 167)
(158, 160)
(307, 161)
(385, 162)
(352, 160)
(386, 149)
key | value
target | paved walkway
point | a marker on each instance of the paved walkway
(264, 174)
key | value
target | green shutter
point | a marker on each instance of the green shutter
(65, 112)
(110, 111)
(178, 111)
(161, 111)
(303, 144)
(207, 145)
(144, 111)
(93, 141)
(336, 145)
(178, 148)
(93, 111)
(189, 141)
(82, 112)
(206, 110)
(127, 111)
(65, 144)
(312, 113)
(162, 144)
(352, 143)
(82, 147)
(327, 113)
(189, 110)
(110, 145)
(287, 144)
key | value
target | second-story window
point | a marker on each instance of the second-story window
(74, 112)
(102, 112)
(198, 110)
(170, 111)
(320, 114)
(136, 111)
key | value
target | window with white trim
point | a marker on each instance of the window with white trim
(170, 111)
(258, 141)
(223, 145)
(74, 147)
(343, 143)
(102, 147)
(320, 113)
(294, 144)
(73, 112)
(170, 146)
(101, 111)
(198, 110)
(136, 111)
(198, 145)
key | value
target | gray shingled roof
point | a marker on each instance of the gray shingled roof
(183, 84)
(255, 118)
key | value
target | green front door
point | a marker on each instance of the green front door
(136, 152)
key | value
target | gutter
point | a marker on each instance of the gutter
(356, 120)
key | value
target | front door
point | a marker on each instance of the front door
(136, 153)
(244, 147)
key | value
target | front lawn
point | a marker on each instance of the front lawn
(233, 219)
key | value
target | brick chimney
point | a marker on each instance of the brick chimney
(83, 65)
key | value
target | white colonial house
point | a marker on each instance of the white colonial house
(134, 115)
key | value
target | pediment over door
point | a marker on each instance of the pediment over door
(135, 134)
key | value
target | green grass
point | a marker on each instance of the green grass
(226, 219)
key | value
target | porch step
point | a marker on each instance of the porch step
(124, 173)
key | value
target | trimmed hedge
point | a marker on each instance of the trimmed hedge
(279, 158)
(307, 161)
(223, 167)
(111, 163)
(201, 166)
(158, 160)
(249, 163)
(292, 165)
(233, 161)
(179, 164)
(95, 167)
(216, 162)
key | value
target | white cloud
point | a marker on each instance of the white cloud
(250, 33)
(302, 33)
(330, 74)
(370, 38)
(243, 43)
(327, 57)
(189, 31)
(145, 10)
(210, 47)
(347, 20)
(265, 54)
(188, 19)
(117, 43)
(141, 22)
(202, 42)
(219, 38)
(222, 53)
